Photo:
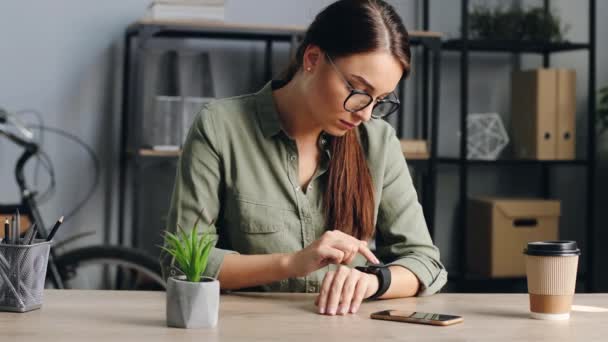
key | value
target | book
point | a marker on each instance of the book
(185, 11)
(191, 2)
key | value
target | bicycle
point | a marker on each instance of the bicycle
(124, 268)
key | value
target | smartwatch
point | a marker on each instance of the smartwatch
(384, 277)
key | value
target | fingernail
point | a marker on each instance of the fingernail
(354, 309)
(331, 311)
(344, 310)
(322, 311)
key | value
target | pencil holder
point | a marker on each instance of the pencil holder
(22, 275)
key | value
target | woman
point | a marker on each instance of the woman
(297, 178)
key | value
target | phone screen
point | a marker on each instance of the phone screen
(418, 315)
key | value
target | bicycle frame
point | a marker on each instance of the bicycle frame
(28, 202)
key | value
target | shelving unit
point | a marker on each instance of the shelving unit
(135, 158)
(465, 46)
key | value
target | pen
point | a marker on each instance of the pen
(17, 228)
(12, 230)
(29, 236)
(7, 229)
(55, 228)
(32, 235)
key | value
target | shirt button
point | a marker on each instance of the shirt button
(297, 188)
(323, 141)
(310, 187)
(293, 158)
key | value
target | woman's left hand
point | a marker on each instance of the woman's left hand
(344, 289)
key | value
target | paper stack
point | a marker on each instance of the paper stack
(207, 10)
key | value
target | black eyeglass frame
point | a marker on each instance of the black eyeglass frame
(353, 91)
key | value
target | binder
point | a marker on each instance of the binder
(566, 114)
(533, 116)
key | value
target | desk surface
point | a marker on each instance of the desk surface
(72, 315)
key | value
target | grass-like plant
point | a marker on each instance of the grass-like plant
(190, 250)
(516, 23)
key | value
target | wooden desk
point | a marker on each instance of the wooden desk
(87, 316)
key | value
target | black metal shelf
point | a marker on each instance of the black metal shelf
(513, 162)
(512, 46)
(219, 30)
(466, 46)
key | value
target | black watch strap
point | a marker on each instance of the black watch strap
(384, 278)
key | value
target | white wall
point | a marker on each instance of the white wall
(60, 58)
(63, 59)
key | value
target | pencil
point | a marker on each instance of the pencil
(55, 228)
(7, 228)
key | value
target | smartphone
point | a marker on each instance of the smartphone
(417, 317)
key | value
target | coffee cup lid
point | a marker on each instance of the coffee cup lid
(552, 248)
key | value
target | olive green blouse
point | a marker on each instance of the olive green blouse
(242, 168)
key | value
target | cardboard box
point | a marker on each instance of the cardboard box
(499, 229)
(543, 112)
(415, 149)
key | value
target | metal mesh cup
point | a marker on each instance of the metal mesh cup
(22, 275)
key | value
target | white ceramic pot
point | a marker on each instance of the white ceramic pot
(192, 304)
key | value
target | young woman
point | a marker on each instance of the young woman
(296, 179)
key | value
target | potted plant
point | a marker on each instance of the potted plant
(516, 24)
(192, 299)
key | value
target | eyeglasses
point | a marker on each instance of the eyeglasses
(358, 100)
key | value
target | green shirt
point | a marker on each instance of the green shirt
(241, 166)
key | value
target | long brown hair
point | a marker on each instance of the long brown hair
(344, 28)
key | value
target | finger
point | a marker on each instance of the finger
(348, 291)
(350, 256)
(330, 255)
(359, 295)
(348, 247)
(324, 291)
(345, 245)
(335, 292)
(367, 253)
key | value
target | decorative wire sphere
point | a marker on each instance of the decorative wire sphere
(487, 136)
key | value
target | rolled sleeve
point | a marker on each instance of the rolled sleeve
(197, 192)
(432, 277)
(402, 236)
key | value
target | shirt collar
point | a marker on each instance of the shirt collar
(267, 110)
(269, 116)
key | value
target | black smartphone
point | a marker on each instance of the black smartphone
(417, 317)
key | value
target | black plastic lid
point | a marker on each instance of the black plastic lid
(552, 248)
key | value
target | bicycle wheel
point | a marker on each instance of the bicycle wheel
(109, 267)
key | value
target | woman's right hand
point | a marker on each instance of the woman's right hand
(333, 247)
